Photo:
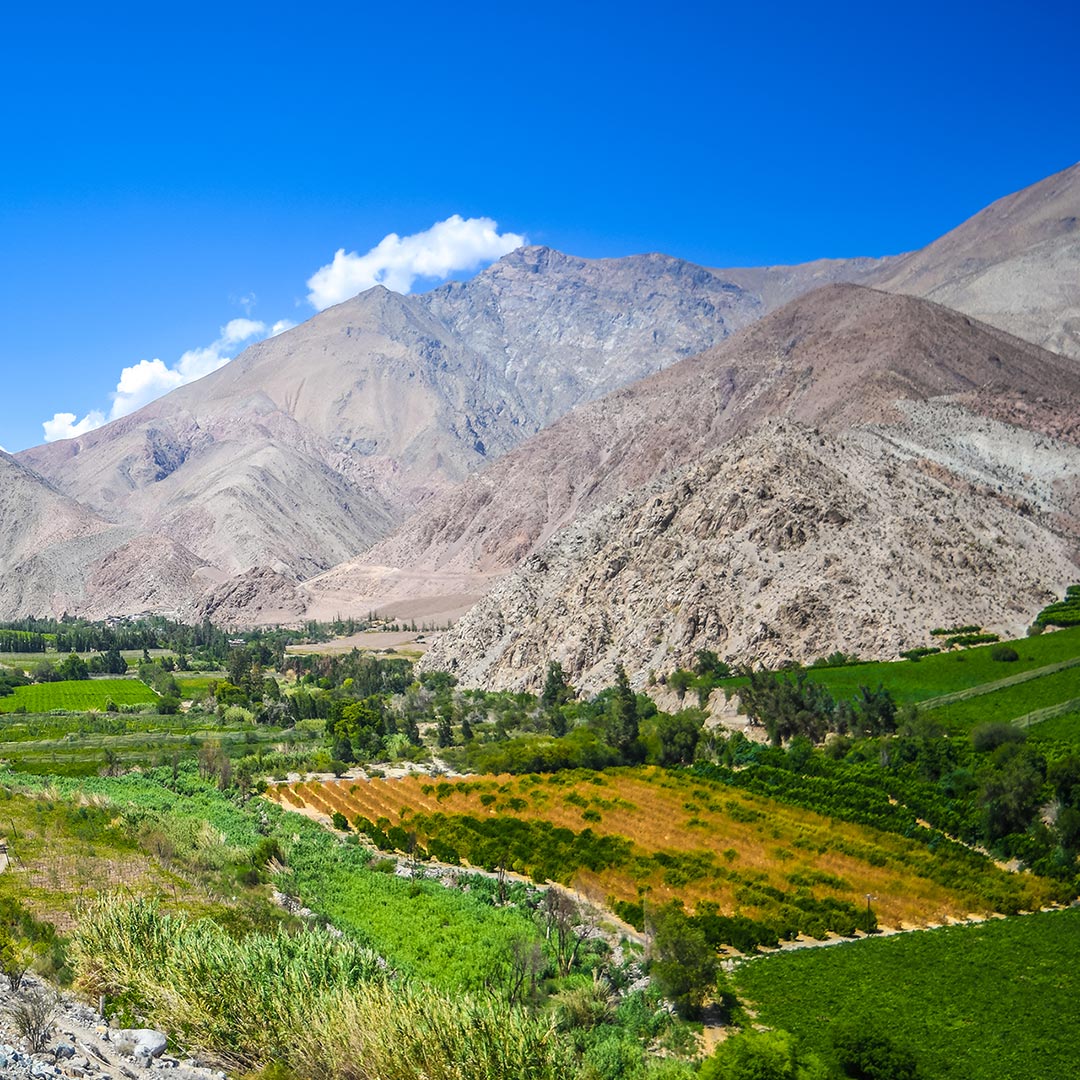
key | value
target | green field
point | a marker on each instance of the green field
(197, 685)
(993, 1001)
(943, 673)
(1064, 728)
(81, 694)
(1011, 702)
(393, 915)
(26, 659)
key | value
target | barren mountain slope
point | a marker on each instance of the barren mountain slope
(57, 556)
(1015, 265)
(565, 330)
(788, 543)
(841, 357)
(775, 286)
(373, 388)
(312, 445)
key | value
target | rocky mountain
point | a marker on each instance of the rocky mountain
(840, 358)
(312, 445)
(36, 520)
(786, 543)
(57, 556)
(1014, 265)
(565, 330)
(363, 455)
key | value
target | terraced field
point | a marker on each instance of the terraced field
(1062, 728)
(1010, 703)
(628, 832)
(947, 672)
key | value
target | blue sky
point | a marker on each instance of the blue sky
(165, 172)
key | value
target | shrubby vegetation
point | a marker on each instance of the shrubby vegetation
(1064, 613)
(514, 982)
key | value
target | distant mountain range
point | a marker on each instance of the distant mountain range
(505, 433)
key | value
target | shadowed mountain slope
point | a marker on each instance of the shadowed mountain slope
(841, 358)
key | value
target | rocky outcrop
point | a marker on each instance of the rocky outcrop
(259, 597)
(787, 544)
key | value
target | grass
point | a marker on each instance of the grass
(681, 837)
(196, 685)
(452, 939)
(1064, 728)
(993, 1001)
(67, 851)
(944, 673)
(1010, 702)
(77, 695)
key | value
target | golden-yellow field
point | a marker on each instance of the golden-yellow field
(689, 839)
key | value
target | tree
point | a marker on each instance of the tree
(238, 665)
(680, 680)
(707, 665)
(72, 667)
(684, 966)
(876, 711)
(444, 731)
(1010, 794)
(784, 707)
(674, 738)
(622, 719)
(567, 926)
(763, 1055)
(108, 663)
(557, 691)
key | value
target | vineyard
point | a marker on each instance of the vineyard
(994, 1001)
(945, 672)
(81, 694)
(624, 833)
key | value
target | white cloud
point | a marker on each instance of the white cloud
(149, 379)
(63, 425)
(141, 383)
(397, 261)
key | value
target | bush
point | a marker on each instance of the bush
(867, 1055)
(763, 1055)
(32, 1016)
(1006, 654)
(987, 737)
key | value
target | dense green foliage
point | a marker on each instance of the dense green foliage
(1064, 613)
(941, 673)
(993, 1001)
(308, 1001)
